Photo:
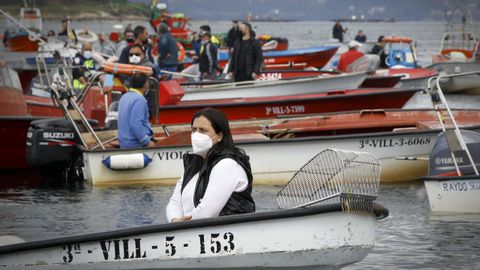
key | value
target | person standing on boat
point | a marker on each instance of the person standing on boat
(379, 49)
(349, 56)
(217, 178)
(247, 56)
(83, 66)
(338, 31)
(361, 37)
(233, 35)
(207, 61)
(167, 51)
(133, 127)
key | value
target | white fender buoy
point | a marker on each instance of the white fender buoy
(127, 161)
(84, 35)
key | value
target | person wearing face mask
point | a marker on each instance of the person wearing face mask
(129, 40)
(141, 37)
(136, 56)
(134, 129)
(247, 56)
(208, 58)
(217, 178)
(83, 65)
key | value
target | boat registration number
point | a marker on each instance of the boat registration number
(139, 248)
(281, 110)
(395, 142)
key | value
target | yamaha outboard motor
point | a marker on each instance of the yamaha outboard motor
(441, 161)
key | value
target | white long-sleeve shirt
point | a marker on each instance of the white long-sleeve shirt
(226, 177)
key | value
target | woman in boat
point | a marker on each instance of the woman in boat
(217, 178)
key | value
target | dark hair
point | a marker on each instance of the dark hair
(250, 30)
(219, 122)
(139, 29)
(138, 80)
(206, 27)
(380, 38)
(162, 28)
(136, 45)
(234, 21)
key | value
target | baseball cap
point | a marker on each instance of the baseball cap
(354, 43)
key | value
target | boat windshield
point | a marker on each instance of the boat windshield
(9, 78)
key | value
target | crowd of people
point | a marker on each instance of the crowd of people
(354, 53)
(217, 178)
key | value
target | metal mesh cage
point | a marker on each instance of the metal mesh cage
(333, 175)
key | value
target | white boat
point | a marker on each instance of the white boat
(278, 149)
(317, 84)
(453, 194)
(453, 184)
(459, 53)
(339, 230)
(469, 84)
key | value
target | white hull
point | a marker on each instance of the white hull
(470, 83)
(454, 194)
(322, 239)
(277, 88)
(275, 161)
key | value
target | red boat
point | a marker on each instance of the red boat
(14, 120)
(279, 106)
(316, 57)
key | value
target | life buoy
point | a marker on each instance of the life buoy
(127, 161)
(116, 68)
(181, 52)
(397, 39)
(84, 35)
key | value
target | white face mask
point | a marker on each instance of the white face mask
(135, 59)
(201, 143)
(87, 54)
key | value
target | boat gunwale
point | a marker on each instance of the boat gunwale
(379, 211)
(441, 178)
(290, 140)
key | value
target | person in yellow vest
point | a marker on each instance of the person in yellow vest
(83, 65)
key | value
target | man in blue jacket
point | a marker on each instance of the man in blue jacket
(167, 50)
(133, 127)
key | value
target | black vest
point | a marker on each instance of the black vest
(239, 202)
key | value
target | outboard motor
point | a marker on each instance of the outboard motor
(53, 147)
(51, 141)
(441, 160)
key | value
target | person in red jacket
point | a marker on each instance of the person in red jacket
(349, 56)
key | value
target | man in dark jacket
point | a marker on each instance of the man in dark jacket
(247, 56)
(208, 57)
(167, 50)
(233, 35)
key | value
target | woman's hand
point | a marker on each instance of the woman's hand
(180, 219)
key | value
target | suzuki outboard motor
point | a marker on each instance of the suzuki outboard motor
(441, 161)
(51, 141)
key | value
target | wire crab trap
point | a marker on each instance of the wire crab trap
(334, 176)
